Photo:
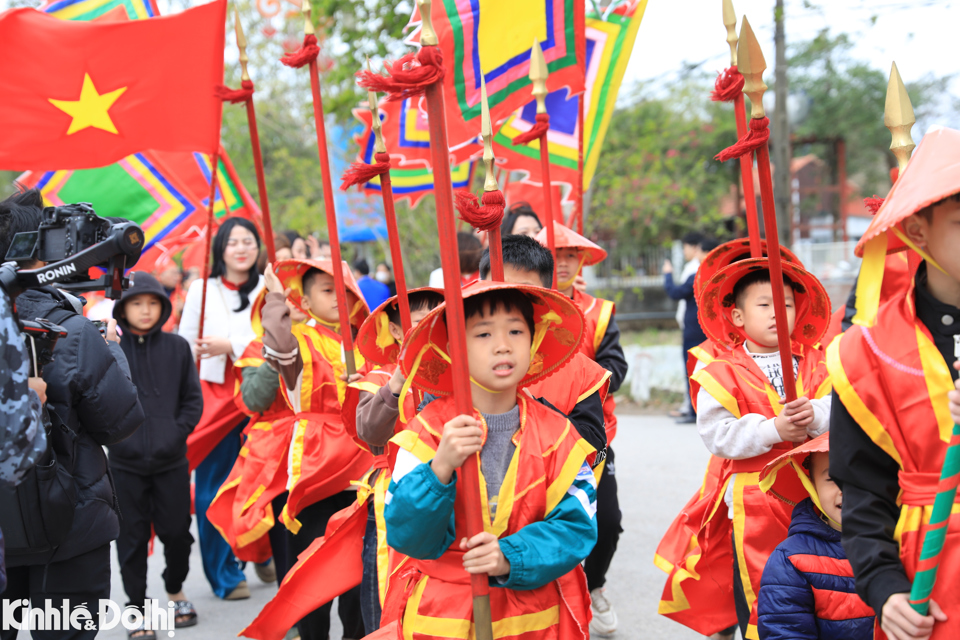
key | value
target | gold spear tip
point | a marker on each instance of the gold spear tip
(379, 146)
(428, 37)
(307, 9)
(898, 111)
(486, 130)
(752, 66)
(242, 45)
(538, 76)
(730, 22)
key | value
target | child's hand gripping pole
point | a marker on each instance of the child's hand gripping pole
(307, 54)
(752, 65)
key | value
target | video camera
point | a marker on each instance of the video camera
(72, 239)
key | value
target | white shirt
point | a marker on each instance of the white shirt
(220, 319)
(751, 435)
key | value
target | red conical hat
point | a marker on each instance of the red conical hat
(291, 273)
(715, 303)
(932, 175)
(566, 238)
(794, 458)
(559, 330)
(728, 253)
(374, 341)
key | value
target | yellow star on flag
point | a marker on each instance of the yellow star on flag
(90, 110)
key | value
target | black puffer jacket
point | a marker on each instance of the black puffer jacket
(89, 387)
(165, 373)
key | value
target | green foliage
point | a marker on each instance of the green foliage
(847, 98)
(657, 178)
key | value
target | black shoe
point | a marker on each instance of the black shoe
(687, 419)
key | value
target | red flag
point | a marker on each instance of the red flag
(330, 566)
(78, 95)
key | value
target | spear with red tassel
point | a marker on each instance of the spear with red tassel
(752, 66)
(245, 95)
(307, 55)
(538, 75)
(360, 173)
(488, 216)
(409, 77)
(729, 88)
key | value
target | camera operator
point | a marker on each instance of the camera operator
(90, 391)
(22, 436)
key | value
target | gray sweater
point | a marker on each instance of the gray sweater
(497, 452)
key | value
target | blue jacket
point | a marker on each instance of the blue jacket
(807, 589)
(420, 524)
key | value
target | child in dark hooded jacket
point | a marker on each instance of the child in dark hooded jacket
(150, 467)
(807, 591)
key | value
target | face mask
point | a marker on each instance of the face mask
(383, 276)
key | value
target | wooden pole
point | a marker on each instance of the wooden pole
(752, 66)
(255, 144)
(469, 496)
(329, 209)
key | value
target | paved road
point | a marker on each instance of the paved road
(659, 466)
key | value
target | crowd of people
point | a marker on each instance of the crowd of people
(808, 523)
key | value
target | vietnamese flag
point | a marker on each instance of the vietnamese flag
(79, 95)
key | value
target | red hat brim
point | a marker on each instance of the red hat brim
(290, 272)
(566, 238)
(555, 316)
(716, 303)
(374, 341)
(728, 253)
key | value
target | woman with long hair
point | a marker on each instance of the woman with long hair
(227, 330)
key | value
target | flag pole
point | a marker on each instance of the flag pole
(308, 54)
(446, 226)
(209, 240)
(581, 24)
(538, 75)
(740, 112)
(752, 66)
(255, 141)
(390, 213)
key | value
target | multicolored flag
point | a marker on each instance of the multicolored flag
(611, 34)
(493, 39)
(165, 192)
(98, 91)
(405, 132)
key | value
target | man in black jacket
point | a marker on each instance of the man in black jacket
(150, 467)
(89, 388)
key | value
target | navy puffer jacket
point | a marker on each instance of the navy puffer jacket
(807, 589)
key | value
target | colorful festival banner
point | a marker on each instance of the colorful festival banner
(610, 38)
(494, 38)
(166, 193)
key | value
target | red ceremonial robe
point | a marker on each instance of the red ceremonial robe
(760, 522)
(242, 510)
(597, 314)
(894, 382)
(425, 595)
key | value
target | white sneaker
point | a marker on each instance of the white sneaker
(604, 621)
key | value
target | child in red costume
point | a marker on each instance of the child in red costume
(371, 413)
(537, 489)
(322, 459)
(742, 421)
(892, 374)
(601, 343)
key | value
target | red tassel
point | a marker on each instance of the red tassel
(407, 77)
(758, 136)
(728, 86)
(536, 131)
(873, 204)
(235, 96)
(362, 173)
(481, 217)
(304, 55)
